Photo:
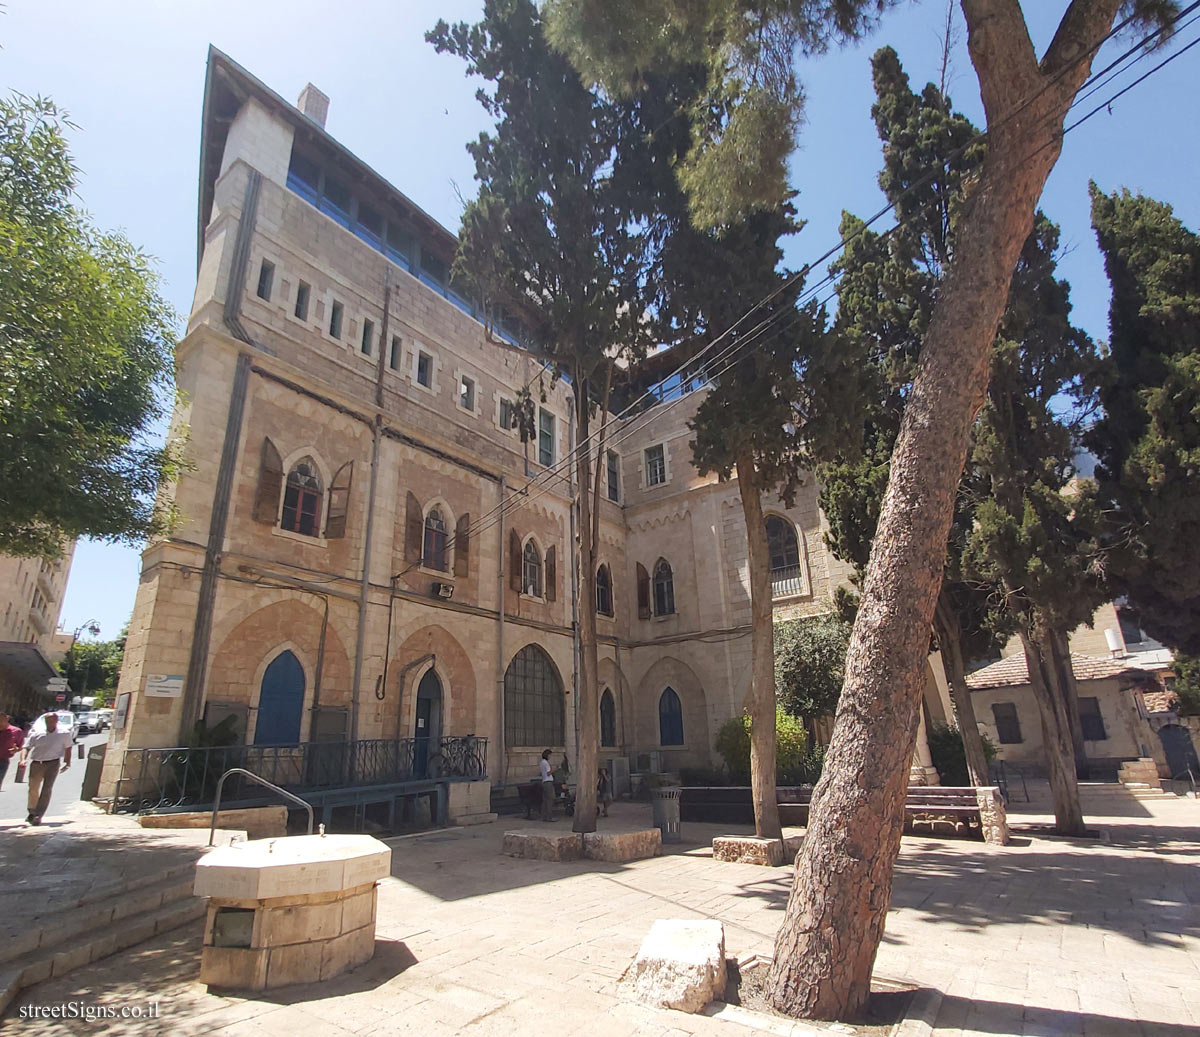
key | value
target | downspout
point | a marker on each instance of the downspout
(574, 568)
(193, 685)
(500, 641)
(365, 584)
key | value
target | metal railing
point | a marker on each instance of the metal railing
(786, 581)
(212, 828)
(187, 776)
(1002, 775)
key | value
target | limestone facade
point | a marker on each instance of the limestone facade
(320, 360)
(31, 598)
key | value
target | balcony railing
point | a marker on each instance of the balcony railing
(183, 776)
(786, 581)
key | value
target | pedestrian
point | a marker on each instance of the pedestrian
(547, 787)
(11, 740)
(43, 750)
(604, 791)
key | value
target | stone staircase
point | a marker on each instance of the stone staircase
(106, 920)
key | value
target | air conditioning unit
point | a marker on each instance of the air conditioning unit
(443, 590)
(647, 763)
(618, 771)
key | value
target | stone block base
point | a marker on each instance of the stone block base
(748, 849)
(680, 965)
(256, 822)
(285, 940)
(622, 846)
(464, 820)
(470, 803)
(1143, 771)
(791, 846)
(544, 846)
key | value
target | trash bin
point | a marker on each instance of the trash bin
(91, 773)
(665, 804)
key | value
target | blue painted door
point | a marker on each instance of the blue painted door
(429, 701)
(281, 703)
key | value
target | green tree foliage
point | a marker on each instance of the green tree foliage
(1148, 441)
(92, 667)
(86, 356)
(810, 664)
(1187, 685)
(554, 231)
(946, 750)
(792, 760)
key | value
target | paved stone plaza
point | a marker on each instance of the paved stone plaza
(1045, 936)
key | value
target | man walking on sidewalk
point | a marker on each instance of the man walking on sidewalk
(43, 751)
(11, 740)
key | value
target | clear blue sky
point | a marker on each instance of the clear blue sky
(131, 74)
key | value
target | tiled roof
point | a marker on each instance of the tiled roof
(1159, 701)
(1012, 670)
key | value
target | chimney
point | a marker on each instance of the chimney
(314, 104)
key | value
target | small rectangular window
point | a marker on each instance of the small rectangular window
(614, 487)
(656, 465)
(545, 438)
(1091, 721)
(424, 370)
(302, 293)
(335, 320)
(508, 414)
(395, 354)
(1008, 726)
(466, 393)
(368, 337)
(266, 279)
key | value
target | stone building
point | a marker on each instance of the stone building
(367, 549)
(31, 597)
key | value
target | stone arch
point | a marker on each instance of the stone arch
(455, 672)
(612, 677)
(673, 673)
(533, 674)
(239, 663)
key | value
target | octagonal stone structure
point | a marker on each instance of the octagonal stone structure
(289, 910)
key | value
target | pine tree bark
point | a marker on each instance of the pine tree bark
(949, 635)
(825, 949)
(1064, 683)
(1056, 738)
(760, 702)
(588, 731)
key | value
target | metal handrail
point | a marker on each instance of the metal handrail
(212, 830)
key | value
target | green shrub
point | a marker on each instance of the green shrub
(791, 756)
(949, 757)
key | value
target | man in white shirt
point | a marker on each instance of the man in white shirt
(45, 751)
(547, 787)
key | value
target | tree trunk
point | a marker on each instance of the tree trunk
(1064, 684)
(1056, 739)
(588, 733)
(949, 635)
(826, 945)
(760, 702)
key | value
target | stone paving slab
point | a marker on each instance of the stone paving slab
(1043, 936)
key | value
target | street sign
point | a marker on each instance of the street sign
(56, 684)
(164, 685)
(60, 698)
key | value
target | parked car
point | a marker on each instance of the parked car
(66, 722)
(106, 718)
(89, 722)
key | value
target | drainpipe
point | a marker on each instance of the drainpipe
(364, 587)
(500, 641)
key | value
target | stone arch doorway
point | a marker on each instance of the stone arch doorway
(280, 702)
(1179, 750)
(428, 723)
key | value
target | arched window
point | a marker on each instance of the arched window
(608, 719)
(434, 554)
(664, 589)
(533, 701)
(604, 594)
(670, 718)
(531, 570)
(784, 549)
(302, 499)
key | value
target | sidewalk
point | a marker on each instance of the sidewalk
(1045, 936)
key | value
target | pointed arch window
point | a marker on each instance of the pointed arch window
(664, 589)
(302, 499)
(533, 700)
(784, 548)
(531, 570)
(604, 594)
(670, 718)
(434, 553)
(608, 719)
